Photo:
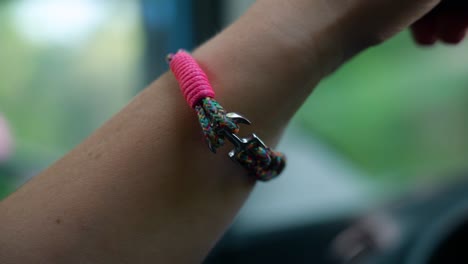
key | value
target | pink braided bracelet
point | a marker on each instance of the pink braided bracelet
(261, 162)
(192, 79)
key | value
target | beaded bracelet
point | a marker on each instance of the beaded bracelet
(217, 125)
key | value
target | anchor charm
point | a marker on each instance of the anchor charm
(240, 144)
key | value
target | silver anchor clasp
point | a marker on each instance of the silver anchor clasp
(240, 144)
(252, 153)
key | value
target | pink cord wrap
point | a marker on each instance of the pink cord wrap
(192, 80)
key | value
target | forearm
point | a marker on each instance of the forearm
(145, 187)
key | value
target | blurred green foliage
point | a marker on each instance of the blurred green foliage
(7, 183)
(397, 110)
(54, 95)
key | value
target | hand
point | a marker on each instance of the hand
(339, 27)
(368, 22)
(448, 23)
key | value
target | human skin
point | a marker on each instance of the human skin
(446, 23)
(144, 187)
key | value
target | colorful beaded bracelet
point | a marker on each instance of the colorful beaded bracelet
(217, 125)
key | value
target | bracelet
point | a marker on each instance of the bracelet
(217, 125)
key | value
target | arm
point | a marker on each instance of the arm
(144, 187)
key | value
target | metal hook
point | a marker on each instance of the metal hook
(240, 144)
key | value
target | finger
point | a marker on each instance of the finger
(451, 27)
(424, 31)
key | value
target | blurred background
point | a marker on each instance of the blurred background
(376, 153)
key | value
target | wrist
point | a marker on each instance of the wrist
(311, 32)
